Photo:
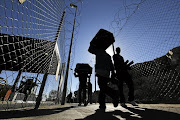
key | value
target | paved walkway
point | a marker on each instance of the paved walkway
(74, 112)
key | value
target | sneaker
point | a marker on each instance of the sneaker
(123, 105)
(133, 103)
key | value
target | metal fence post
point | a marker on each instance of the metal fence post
(14, 85)
(38, 99)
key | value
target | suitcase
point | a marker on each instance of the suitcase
(82, 67)
(102, 40)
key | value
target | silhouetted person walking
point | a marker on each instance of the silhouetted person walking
(82, 87)
(103, 68)
(122, 74)
(69, 97)
(89, 92)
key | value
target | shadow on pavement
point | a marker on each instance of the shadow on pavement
(134, 114)
(31, 113)
(100, 116)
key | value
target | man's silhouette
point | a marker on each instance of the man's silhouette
(103, 68)
(121, 68)
(82, 86)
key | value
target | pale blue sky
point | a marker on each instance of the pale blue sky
(150, 33)
(95, 14)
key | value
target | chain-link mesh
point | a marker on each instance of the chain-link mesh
(148, 32)
(28, 49)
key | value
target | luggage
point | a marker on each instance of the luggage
(82, 67)
(102, 40)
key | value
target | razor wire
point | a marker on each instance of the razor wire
(148, 32)
(69, 27)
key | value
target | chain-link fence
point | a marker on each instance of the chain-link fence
(32, 40)
(148, 32)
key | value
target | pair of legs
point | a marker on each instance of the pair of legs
(90, 92)
(82, 88)
(125, 77)
(105, 90)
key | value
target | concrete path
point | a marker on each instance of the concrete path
(74, 112)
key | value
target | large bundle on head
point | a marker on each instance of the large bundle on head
(102, 40)
(83, 68)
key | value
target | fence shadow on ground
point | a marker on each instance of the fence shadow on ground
(30, 113)
(134, 114)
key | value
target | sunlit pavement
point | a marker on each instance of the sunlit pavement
(75, 112)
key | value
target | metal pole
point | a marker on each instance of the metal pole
(59, 28)
(95, 77)
(35, 83)
(57, 35)
(71, 80)
(113, 48)
(39, 98)
(14, 85)
(95, 83)
(16, 81)
(68, 63)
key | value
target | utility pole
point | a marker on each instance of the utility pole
(69, 58)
